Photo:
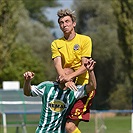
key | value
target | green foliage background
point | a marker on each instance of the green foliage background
(110, 25)
(25, 40)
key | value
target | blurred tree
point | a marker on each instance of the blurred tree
(123, 10)
(121, 97)
(38, 37)
(37, 8)
(16, 56)
(8, 20)
(96, 19)
(22, 59)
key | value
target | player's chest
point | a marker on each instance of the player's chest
(57, 102)
(70, 48)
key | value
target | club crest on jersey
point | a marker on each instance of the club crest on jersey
(76, 47)
(57, 105)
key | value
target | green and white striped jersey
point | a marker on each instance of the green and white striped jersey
(55, 103)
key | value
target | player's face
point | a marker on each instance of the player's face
(66, 24)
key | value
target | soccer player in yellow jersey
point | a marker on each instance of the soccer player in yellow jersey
(72, 51)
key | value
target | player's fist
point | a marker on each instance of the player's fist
(90, 64)
(28, 75)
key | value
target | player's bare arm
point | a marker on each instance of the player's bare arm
(78, 72)
(58, 66)
(92, 81)
(81, 70)
(28, 76)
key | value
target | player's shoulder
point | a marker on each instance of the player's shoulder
(58, 40)
(47, 83)
(83, 36)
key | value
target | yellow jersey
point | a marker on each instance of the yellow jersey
(71, 53)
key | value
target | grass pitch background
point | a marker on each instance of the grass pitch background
(116, 124)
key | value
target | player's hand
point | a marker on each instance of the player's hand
(28, 75)
(90, 64)
(71, 85)
(64, 78)
(61, 78)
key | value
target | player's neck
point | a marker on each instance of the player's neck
(70, 36)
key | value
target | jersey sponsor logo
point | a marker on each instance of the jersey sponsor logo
(57, 105)
(76, 47)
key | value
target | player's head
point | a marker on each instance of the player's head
(66, 12)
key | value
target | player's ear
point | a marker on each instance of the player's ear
(74, 24)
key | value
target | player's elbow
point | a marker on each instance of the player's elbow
(95, 86)
(92, 88)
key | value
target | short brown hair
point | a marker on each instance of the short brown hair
(66, 12)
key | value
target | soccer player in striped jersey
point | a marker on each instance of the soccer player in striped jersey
(57, 99)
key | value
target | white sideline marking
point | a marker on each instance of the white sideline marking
(20, 102)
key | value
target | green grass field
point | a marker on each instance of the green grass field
(117, 124)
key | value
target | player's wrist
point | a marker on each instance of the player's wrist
(90, 71)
